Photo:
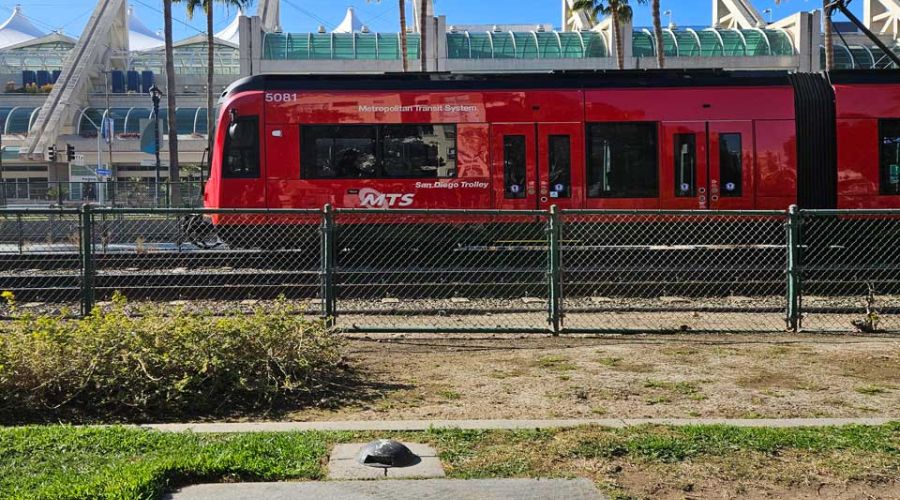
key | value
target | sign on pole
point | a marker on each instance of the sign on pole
(107, 129)
(148, 136)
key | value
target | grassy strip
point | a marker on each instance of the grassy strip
(65, 462)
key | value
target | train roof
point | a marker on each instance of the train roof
(550, 80)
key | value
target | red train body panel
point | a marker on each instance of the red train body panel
(571, 141)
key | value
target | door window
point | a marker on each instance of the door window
(560, 161)
(514, 166)
(730, 164)
(685, 165)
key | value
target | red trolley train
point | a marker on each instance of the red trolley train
(636, 140)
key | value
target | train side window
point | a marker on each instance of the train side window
(622, 160)
(241, 158)
(377, 151)
(514, 166)
(338, 152)
(889, 156)
(685, 165)
(560, 160)
(418, 151)
(730, 164)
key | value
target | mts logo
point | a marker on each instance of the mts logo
(369, 197)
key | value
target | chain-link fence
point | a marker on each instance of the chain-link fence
(674, 271)
(179, 256)
(470, 270)
(850, 277)
(473, 270)
(40, 259)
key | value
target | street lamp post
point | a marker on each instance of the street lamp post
(155, 95)
(2, 182)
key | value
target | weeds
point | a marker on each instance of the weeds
(115, 364)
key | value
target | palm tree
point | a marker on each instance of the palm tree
(174, 193)
(620, 12)
(657, 34)
(207, 5)
(423, 32)
(827, 35)
(403, 34)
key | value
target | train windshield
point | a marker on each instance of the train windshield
(241, 154)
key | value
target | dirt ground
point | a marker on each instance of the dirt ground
(638, 376)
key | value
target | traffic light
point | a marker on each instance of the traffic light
(51, 153)
(70, 152)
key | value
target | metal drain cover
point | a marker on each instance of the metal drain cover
(386, 453)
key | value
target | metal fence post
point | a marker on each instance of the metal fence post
(554, 274)
(87, 260)
(793, 268)
(21, 233)
(327, 265)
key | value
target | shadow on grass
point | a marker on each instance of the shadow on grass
(347, 387)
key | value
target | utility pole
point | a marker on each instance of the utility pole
(109, 140)
(3, 182)
(155, 95)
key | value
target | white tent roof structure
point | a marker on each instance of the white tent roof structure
(350, 24)
(140, 37)
(231, 33)
(17, 29)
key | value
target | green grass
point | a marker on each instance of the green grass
(449, 394)
(64, 462)
(680, 443)
(556, 363)
(871, 390)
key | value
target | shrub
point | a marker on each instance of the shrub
(116, 364)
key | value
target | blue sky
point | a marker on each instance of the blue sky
(306, 15)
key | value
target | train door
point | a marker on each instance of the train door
(537, 165)
(705, 165)
(683, 180)
(560, 165)
(730, 162)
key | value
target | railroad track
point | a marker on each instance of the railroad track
(222, 274)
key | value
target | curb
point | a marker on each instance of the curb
(422, 425)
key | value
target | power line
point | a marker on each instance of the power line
(179, 21)
(308, 13)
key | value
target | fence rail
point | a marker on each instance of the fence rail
(108, 193)
(556, 271)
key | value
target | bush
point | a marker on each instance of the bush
(115, 364)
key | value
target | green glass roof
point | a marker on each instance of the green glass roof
(525, 45)
(858, 57)
(338, 46)
(714, 42)
(17, 119)
(128, 120)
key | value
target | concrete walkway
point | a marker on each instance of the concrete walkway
(431, 489)
(421, 425)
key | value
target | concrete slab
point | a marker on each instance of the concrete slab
(343, 464)
(422, 425)
(431, 489)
